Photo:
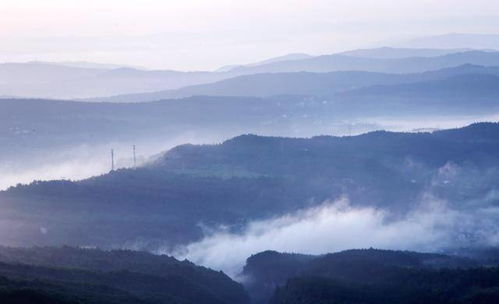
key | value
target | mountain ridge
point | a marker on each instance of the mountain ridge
(232, 184)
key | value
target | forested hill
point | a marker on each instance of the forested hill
(73, 275)
(352, 275)
(277, 155)
(252, 177)
(358, 278)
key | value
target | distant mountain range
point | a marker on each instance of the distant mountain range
(84, 80)
(63, 81)
(287, 57)
(303, 83)
(338, 62)
(394, 53)
(287, 104)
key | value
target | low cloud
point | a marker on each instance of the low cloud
(336, 226)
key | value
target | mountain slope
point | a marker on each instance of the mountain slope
(40, 79)
(32, 130)
(329, 63)
(380, 276)
(294, 56)
(168, 202)
(266, 271)
(60, 81)
(266, 85)
(479, 90)
(116, 276)
(300, 83)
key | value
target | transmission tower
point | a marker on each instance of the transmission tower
(112, 159)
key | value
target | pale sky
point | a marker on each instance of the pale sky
(206, 34)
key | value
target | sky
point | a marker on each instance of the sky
(204, 35)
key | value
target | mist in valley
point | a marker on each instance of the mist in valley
(249, 153)
(437, 222)
(90, 159)
(87, 160)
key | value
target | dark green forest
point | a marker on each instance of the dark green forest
(371, 276)
(71, 275)
(40, 275)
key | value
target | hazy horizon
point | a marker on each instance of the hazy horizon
(196, 35)
(249, 152)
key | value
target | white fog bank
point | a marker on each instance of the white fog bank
(336, 226)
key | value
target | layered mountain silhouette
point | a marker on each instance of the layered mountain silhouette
(338, 62)
(305, 83)
(83, 81)
(294, 56)
(251, 177)
(66, 81)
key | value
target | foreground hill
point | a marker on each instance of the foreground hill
(71, 275)
(368, 276)
(169, 201)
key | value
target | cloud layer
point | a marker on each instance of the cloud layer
(336, 226)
